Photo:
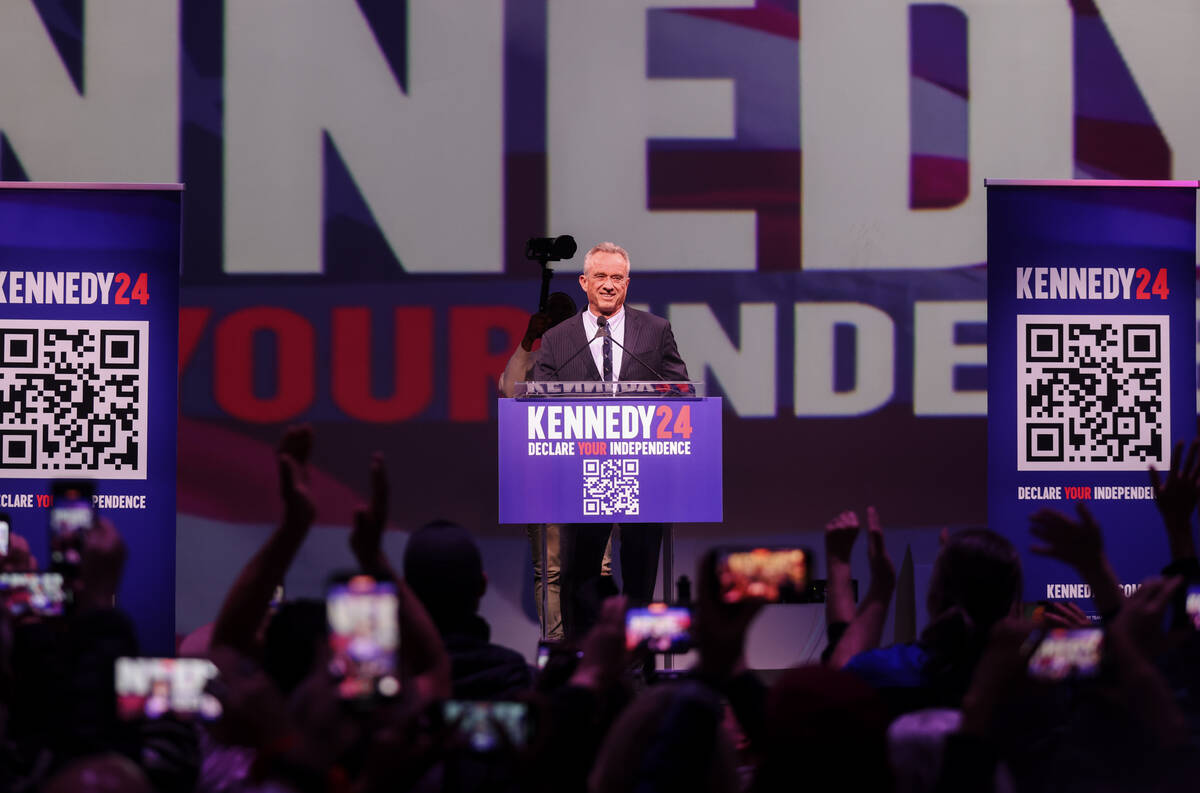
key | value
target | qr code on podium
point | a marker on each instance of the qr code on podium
(610, 487)
(73, 399)
(1093, 392)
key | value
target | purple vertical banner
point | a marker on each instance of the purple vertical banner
(1091, 361)
(89, 334)
(599, 460)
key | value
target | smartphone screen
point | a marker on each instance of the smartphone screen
(364, 634)
(151, 688)
(71, 514)
(487, 726)
(659, 628)
(1192, 605)
(1067, 653)
(5, 529)
(773, 575)
(33, 594)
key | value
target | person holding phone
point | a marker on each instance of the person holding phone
(976, 582)
(444, 568)
(608, 342)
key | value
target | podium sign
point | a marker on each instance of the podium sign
(1091, 361)
(610, 459)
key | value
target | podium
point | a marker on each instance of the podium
(596, 452)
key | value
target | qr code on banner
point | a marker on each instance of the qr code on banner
(73, 399)
(610, 487)
(1093, 392)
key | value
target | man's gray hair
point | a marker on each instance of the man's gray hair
(605, 247)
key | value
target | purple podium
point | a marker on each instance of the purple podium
(594, 452)
(608, 452)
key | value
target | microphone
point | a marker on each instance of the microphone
(604, 330)
(600, 332)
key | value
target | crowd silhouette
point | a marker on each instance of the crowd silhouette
(992, 696)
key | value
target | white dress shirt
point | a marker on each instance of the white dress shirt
(616, 326)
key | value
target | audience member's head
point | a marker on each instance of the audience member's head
(826, 729)
(978, 572)
(100, 773)
(443, 566)
(671, 738)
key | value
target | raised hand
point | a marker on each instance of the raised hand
(866, 628)
(1140, 620)
(840, 535)
(1176, 497)
(294, 450)
(1065, 614)
(1080, 544)
(539, 323)
(370, 520)
(720, 628)
(1132, 639)
(1076, 542)
(883, 571)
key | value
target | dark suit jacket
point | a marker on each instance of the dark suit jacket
(647, 336)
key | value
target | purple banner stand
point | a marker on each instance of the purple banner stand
(610, 460)
(1091, 362)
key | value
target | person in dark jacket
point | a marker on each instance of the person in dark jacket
(443, 567)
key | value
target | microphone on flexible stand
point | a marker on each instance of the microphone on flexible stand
(605, 331)
(575, 354)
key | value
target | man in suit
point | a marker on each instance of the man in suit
(629, 345)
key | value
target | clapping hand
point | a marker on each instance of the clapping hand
(1176, 497)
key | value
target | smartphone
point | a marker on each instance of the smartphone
(773, 575)
(71, 514)
(543, 654)
(5, 531)
(34, 594)
(151, 688)
(1035, 612)
(555, 651)
(488, 726)
(659, 628)
(1067, 653)
(364, 635)
(1192, 605)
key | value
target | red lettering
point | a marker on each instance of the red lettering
(1144, 275)
(192, 322)
(665, 414)
(412, 342)
(1160, 285)
(122, 287)
(475, 364)
(294, 374)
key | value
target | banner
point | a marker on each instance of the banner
(1092, 361)
(89, 303)
(606, 460)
